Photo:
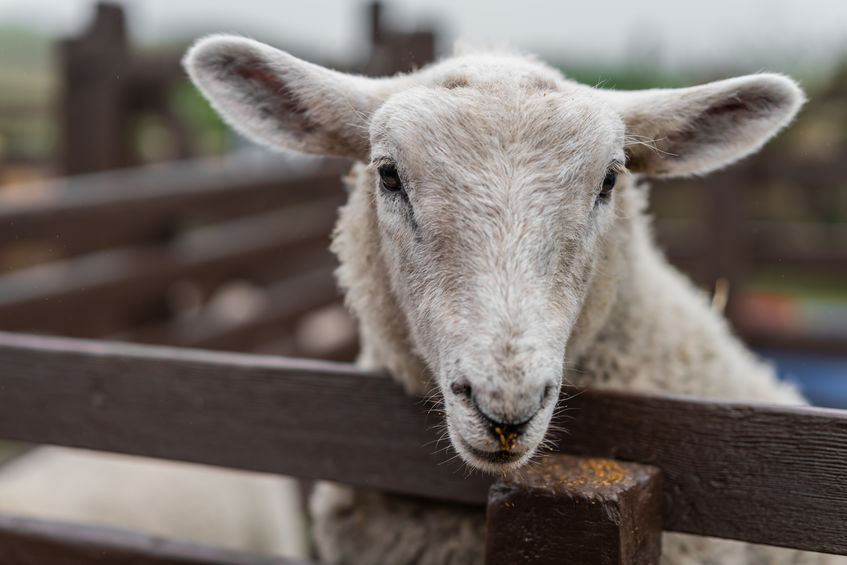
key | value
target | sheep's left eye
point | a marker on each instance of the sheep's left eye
(608, 184)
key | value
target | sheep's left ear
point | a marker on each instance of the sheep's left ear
(281, 101)
(685, 131)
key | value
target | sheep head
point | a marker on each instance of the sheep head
(490, 206)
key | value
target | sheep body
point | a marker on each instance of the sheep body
(479, 254)
(661, 335)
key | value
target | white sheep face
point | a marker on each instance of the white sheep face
(487, 213)
(489, 239)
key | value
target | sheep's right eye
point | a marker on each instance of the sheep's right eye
(389, 178)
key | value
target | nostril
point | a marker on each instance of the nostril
(461, 389)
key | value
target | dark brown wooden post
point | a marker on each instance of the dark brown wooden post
(375, 15)
(569, 509)
(94, 128)
(105, 87)
(394, 51)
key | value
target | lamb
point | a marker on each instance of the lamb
(495, 245)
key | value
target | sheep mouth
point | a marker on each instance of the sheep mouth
(499, 457)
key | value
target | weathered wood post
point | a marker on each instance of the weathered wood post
(394, 51)
(105, 87)
(578, 510)
(94, 129)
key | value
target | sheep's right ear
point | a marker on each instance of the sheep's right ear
(278, 100)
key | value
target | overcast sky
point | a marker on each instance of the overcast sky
(674, 33)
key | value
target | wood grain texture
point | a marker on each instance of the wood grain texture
(567, 509)
(27, 541)
(765, 474)
(304, 418)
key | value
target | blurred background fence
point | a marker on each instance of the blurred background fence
(226, 252)
(128, 211)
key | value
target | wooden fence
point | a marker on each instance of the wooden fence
(115, 246)
(107, 86)
(764, 474)
(722, 239)
(104, 86)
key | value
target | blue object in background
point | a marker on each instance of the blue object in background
(821, 378)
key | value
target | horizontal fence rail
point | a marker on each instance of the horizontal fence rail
(87, 213)
(284, 303)
(88, 296)
(26, 541)
(764, 474)
(144, 254)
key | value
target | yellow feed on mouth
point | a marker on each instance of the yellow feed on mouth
(507, 441)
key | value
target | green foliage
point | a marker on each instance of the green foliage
(210, 135)
(828, 288)
(26, 91)
(625, 78)
(23, 49)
